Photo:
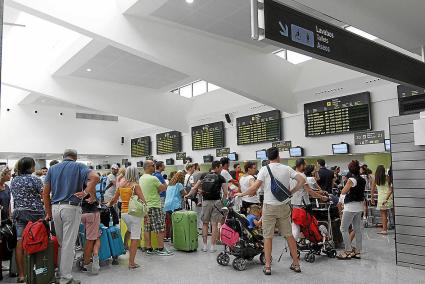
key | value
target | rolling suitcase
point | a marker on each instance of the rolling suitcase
(82, 236)
(105, 250)
(39, 267)
(116, 244)
(185, 231)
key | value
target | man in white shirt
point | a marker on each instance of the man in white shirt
(276, 212)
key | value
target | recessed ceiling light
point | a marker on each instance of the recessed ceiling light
(88, 70)
(189, 1)
(360, 33)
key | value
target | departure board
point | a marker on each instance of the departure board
(208, 136)
(141, 147)
(410, 100)
(168, 142)
(261, 127)
(222, 152)
(338, 115)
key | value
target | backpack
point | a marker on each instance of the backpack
(211, 187)
(279, 191)
(35, 237)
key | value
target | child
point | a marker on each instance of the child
(254, 217)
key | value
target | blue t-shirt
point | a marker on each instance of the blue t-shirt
(162, 180)
(173, 200)
(66, 179)
(251, 218)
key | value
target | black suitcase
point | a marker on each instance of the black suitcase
(40, 267)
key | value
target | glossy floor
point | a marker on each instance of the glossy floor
(376, 266)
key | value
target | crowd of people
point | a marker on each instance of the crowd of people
(68, 194)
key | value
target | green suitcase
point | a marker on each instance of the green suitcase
(39, 267)
(185, 230)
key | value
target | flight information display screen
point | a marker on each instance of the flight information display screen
(338, 115)
(261, 127)
(168, 142)
(208, 136)
(141, 147)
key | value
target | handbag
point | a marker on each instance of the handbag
(279, 191)
(136, 207)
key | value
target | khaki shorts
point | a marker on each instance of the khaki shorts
(276, 215)
(211, 211)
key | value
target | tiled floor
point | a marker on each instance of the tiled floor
(377, 266)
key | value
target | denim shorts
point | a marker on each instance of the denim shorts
(20, 226)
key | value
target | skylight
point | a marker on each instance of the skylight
(360, 33)
(195, 89)
(292, 56)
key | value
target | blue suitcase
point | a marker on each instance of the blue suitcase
(115, 241)
(105, 250)
(82, 236)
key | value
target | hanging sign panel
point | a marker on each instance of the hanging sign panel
(288, 27)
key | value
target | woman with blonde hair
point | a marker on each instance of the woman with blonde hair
(129, 187)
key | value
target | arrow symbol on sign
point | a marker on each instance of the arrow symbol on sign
(283, 29)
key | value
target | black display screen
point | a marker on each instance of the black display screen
(410, 100)
(285, 27)
(168, 142)
(141, 147)
(338, 115)
(261, 127)
(208, 136)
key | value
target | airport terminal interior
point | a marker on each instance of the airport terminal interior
(296, 124)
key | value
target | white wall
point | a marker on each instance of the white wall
(22, 131)
(384, 105)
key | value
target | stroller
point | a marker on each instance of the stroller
(318, 237)
(238, 240)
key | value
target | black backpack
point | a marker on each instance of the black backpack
(211, 187)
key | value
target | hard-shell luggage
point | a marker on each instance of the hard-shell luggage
(116, 244)
(39, 267)
(82, 236)
(105, 250)
(13, 268)
(185, 230)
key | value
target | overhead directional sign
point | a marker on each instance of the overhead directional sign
(290, 28)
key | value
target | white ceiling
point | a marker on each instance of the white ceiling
(227, 18)
(51, 102)
(115, 65)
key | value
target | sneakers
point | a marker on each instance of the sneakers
(95, 265)
(151, 252)
(205, 248)
(115, 261)
(164, 252)
(213, 249)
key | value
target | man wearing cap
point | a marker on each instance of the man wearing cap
(111, 183)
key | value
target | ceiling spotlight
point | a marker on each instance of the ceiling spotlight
(8, 109)
(36, 111)
(189, 1)
(88, 70)
(61, 113)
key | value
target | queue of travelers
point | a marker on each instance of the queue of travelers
(66, 195)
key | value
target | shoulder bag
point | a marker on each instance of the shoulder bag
(136, 207)
(279, 191)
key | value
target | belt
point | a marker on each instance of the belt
(67, 203)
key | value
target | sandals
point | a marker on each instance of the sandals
(383, 233)
(345, 255)
(267, 270)
(131, 267)
(21, 280)
(295, 267)
(355, 254)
